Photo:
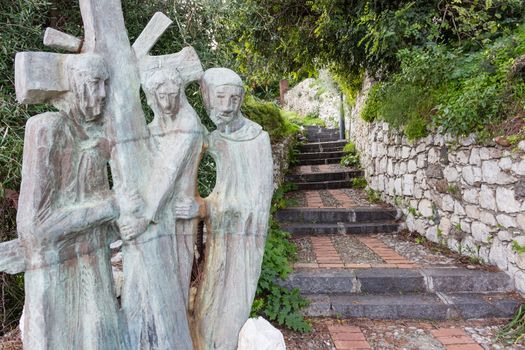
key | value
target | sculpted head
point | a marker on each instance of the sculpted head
(87, 74)
(163, 91)
(223, 92)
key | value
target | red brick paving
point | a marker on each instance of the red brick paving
(348, 337)
(325, 253)
(313, 199)
(389, 255)
(455, 339)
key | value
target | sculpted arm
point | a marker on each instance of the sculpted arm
(45, 214)
(169, 168)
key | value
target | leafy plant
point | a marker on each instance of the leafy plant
(273, 301)
(359, 182)
(350, 160)
(516, 247)
(372, 195)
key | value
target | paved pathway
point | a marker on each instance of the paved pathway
(352, 264)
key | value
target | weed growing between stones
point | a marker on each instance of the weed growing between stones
(352, 157)
(514, 331)
(359, 182)
(273, 301)
(372, 196)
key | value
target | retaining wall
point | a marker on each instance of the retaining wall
(467, 196)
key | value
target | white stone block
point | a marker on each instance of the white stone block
(520, 219)
(475, 159)
(412, 166)
(450, 173)
(506, 201)
(492, 173)
(472, 211)
(498, 254)
(425, 208)
(462, 157)
(506, 221)
(448, 203)
(259, 334)
(505, 236)
(519, 168)
(505, 163)
(421, 161)
(480, 231)
(471, 196)
(398, 186)
(408, 185)
(519, 280)
(433, 155)
(487, 218)
(487, 199)
(458, 209)
(471, 174)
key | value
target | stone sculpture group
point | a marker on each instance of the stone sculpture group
(69, 214)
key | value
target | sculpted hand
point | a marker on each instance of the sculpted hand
(186, 208)
(131, 227)
(131, 202)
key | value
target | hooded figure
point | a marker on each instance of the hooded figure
(237, 213)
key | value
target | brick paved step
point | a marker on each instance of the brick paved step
(421, 306)
(322, 146)
(318, 161)
(320, 155)
(354, 228)
(397, 281)
(324, 176)
(335, 215)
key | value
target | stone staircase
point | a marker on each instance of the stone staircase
(380, 281)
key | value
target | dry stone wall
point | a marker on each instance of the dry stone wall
(456, 192)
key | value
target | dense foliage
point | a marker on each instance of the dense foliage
(449, 63)
(294, 37)
(458, 90)
(273, 301)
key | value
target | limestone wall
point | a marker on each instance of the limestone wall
(317, 97)
(467, 196)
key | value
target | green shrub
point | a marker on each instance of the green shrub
(416, 128)
(273, 301)
(310, 119)
(350, 160)
(459, 90)
(270, 117)
(350, 148)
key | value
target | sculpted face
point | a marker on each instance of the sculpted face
(87, 74)
(225, 103)
(167, 95)
(94, 96)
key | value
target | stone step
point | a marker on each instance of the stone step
(420, 306)
(335, 215)
(321, 138)
(320, 155)
(397, 281)
(322, 146)
(318, 161)
(322, 185)
(338, 228)
(325, 176)
(316, 128)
